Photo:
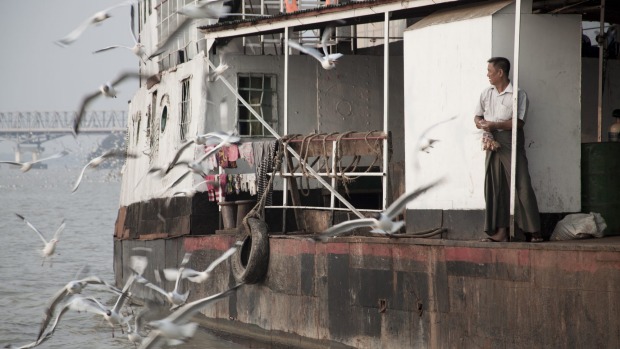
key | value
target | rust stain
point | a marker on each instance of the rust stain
(287, 247)
(411, 252)
(376, 250)
(216, 242)
(487, 256)
(576, 261)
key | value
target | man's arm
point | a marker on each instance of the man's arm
(498, 125)
(477, 120)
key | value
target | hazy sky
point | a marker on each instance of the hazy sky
(38, 75)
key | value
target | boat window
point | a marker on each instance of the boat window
(185, 109)
(136, 120)
(260, 92)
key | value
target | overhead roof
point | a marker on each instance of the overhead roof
(368, 11)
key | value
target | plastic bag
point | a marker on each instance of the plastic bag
(579, 226)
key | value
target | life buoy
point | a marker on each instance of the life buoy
(250, 262)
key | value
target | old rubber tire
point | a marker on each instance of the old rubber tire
(250, 262)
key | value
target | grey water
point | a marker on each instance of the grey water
(44, 198)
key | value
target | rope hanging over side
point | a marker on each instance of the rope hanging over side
(258, 211)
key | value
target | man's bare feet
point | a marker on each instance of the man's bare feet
(501, 235)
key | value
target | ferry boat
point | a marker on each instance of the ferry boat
(322, 146)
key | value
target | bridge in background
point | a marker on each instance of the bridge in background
(28, 130)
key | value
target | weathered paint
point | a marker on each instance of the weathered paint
(412, 293)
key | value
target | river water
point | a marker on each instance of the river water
(44, 198)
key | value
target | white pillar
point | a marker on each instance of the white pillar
(515, 118)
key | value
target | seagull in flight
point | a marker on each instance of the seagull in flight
(205, 9)
(177, 328)
(106, 90)
(219, 70)
(384, 222)
(201, 276)
(328, 61)
(200, 10)
(424, 143)
(49, 246)
(134, 334)
(99, 159)
(196, 166)
(47, 336)
(26, 166)
(189, 192)
(71, 288)
(137, 49)
(96, 18)
(112, 315)
(174, 297)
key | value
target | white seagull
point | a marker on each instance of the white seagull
(112, 315)
(31, 344)
(201, 276)
(177, 328)
(213, 9)
(49, 246)
(174, 297)
(383, 223)
(97, 18)
(328, 61)
(196, 166)
(424, 143)
(134, 333)
(200, 10)
(137, 49)
(211, 138)
(98, 160)
(26, 166)
(189, 192)
(71, 288)
(220, 69)
(106, 90)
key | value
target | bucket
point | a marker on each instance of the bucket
(600, 182)
(228, 214)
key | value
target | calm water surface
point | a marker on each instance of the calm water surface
(44, 198)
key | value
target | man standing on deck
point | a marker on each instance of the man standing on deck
(494, 116)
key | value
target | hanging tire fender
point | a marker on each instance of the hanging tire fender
(250, 262)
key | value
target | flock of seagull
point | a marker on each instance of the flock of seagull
(177, 327)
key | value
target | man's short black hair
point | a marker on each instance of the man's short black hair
(501, 63)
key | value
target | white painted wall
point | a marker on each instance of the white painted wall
(444, 73)
(444, 77)
(169, 139)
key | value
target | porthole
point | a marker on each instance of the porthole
(164, 118)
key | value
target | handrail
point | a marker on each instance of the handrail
(291, 150)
